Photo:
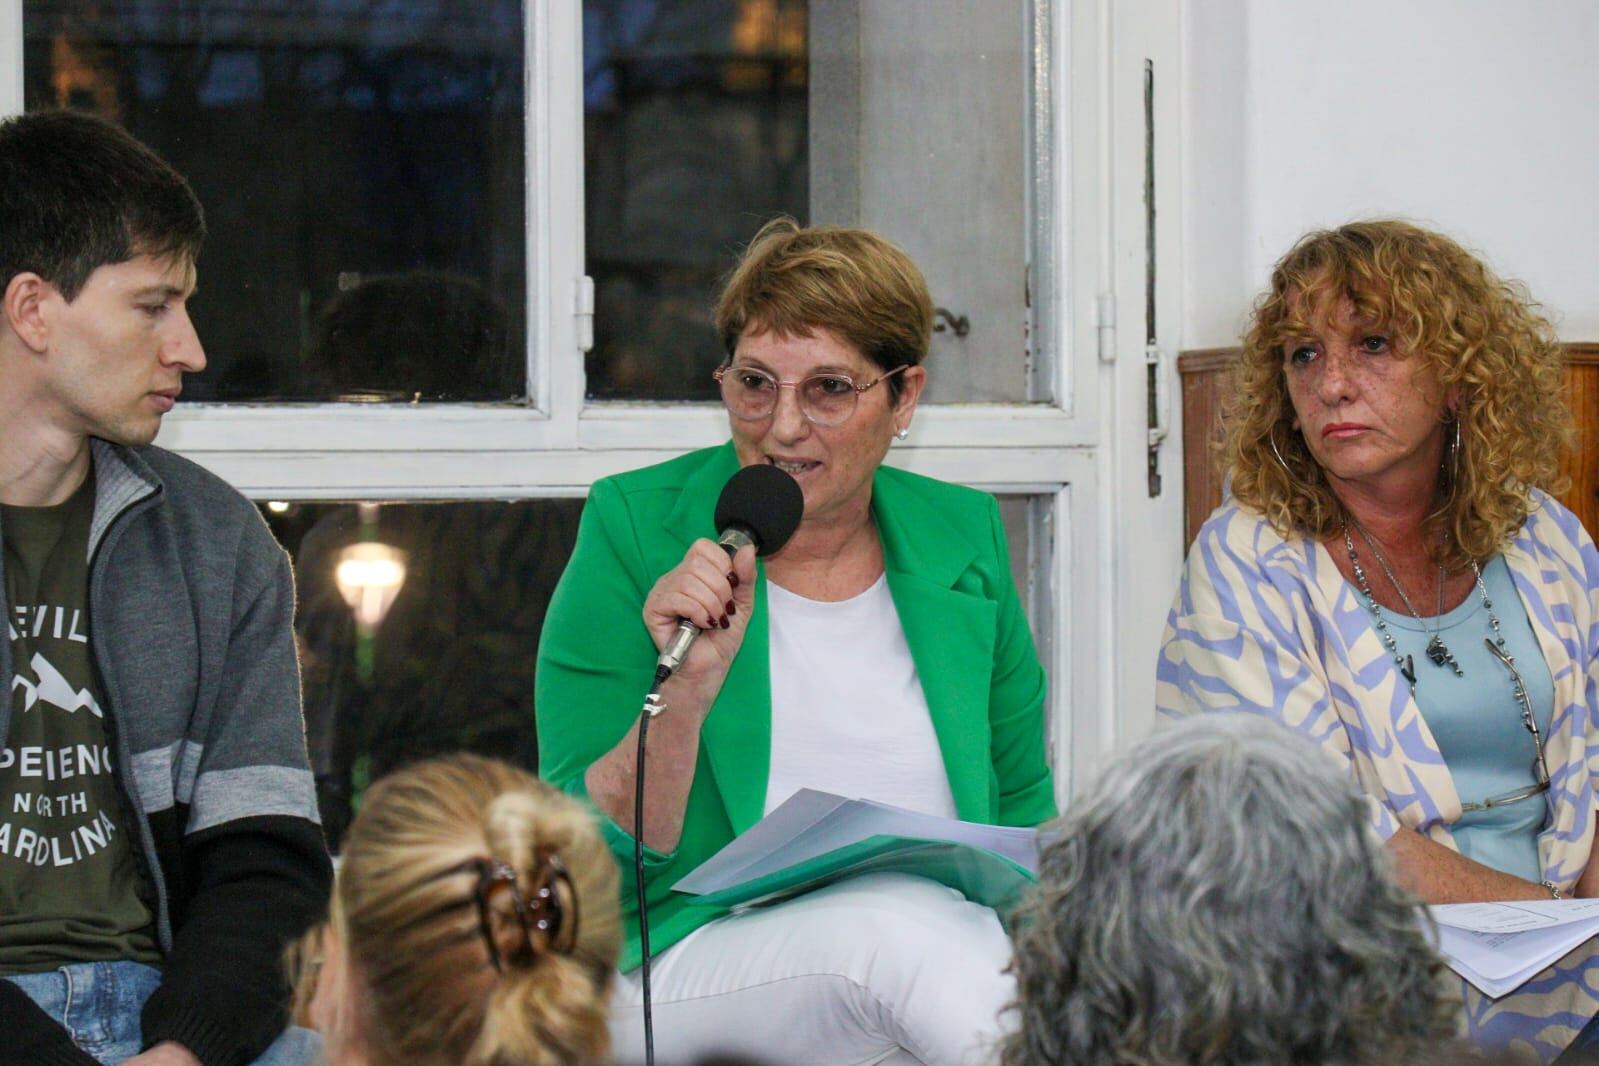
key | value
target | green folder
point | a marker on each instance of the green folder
(980, 875)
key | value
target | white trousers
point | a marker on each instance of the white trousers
(885, 968)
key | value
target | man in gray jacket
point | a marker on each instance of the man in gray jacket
(159, 839)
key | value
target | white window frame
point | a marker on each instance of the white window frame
(558, 445)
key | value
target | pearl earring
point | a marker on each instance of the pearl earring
(902, 433)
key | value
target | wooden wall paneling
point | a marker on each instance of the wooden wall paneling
(1581, 464)
(1204, 374)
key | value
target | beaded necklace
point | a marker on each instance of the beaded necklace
(1437, 650)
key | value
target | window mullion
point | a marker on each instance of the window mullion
(555, 239)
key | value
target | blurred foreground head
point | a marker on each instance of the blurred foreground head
(1217, 897)
(475, 922)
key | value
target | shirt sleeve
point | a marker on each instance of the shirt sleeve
(252, 871)
(1590, 652)
(1232, 644)
(596, 660)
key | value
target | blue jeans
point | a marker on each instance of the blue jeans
(99, 1004)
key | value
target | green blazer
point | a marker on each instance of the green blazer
(950, 579)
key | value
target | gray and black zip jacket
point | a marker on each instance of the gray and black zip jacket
(191, 608)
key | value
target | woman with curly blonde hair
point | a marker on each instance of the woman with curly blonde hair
(1392, 578)
(474, 922)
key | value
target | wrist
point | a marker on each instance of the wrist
(1553, 890)
(687, 698)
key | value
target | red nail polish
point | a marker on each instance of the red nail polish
(724, 621)
(732, 579)
(732, 608)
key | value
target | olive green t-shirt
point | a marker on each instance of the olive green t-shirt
(70, 888)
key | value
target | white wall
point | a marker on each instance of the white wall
(1476, 117)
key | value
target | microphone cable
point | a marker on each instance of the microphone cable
(652, 707)
(759, 505)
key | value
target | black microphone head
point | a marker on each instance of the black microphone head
(765, 501)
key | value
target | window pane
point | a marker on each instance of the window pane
(694, 132)
(1029, 535)
(705, 118)
(432, 655)
(361, 166)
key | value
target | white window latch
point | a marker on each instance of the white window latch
(583, 312)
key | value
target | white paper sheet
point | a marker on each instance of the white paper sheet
(811, 823)
(1514, 917)
(1498, 947)
(796, 814)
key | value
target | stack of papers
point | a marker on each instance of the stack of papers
(816, 838)
(1498, 947)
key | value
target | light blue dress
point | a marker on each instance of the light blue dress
(1476, 718)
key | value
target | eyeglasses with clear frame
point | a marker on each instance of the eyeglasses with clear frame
(1540, 768)
(750, 394)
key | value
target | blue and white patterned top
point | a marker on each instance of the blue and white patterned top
(1268, 625)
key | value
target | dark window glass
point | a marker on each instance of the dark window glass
(695, 132)
(361, 164)
(418, 626)
(441, 662)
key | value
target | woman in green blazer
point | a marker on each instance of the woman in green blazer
(936, 704)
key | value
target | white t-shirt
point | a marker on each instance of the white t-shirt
(848, 712)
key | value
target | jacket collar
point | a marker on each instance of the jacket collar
(925, 555)
(121, 479)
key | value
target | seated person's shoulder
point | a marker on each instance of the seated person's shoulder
(205, 509)
(186, 480)
(1243, 533)
(1559, 544)
(1551, 522)
(966, 508)
(676, 472)
(656, 490)
(1236, 556)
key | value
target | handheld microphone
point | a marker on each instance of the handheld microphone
(759, 505)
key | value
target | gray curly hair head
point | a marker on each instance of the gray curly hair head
(1218, 898)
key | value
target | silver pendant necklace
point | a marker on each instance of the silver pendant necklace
(1437, 650)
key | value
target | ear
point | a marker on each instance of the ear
(1452, 399)
(913, 379)
(330, 1008)
(27, 297)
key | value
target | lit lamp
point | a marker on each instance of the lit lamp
(369, 575)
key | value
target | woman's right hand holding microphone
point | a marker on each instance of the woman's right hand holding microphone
(716, 594)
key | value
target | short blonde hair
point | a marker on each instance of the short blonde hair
(1477, 332)
(426, 989)
(863, 289)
